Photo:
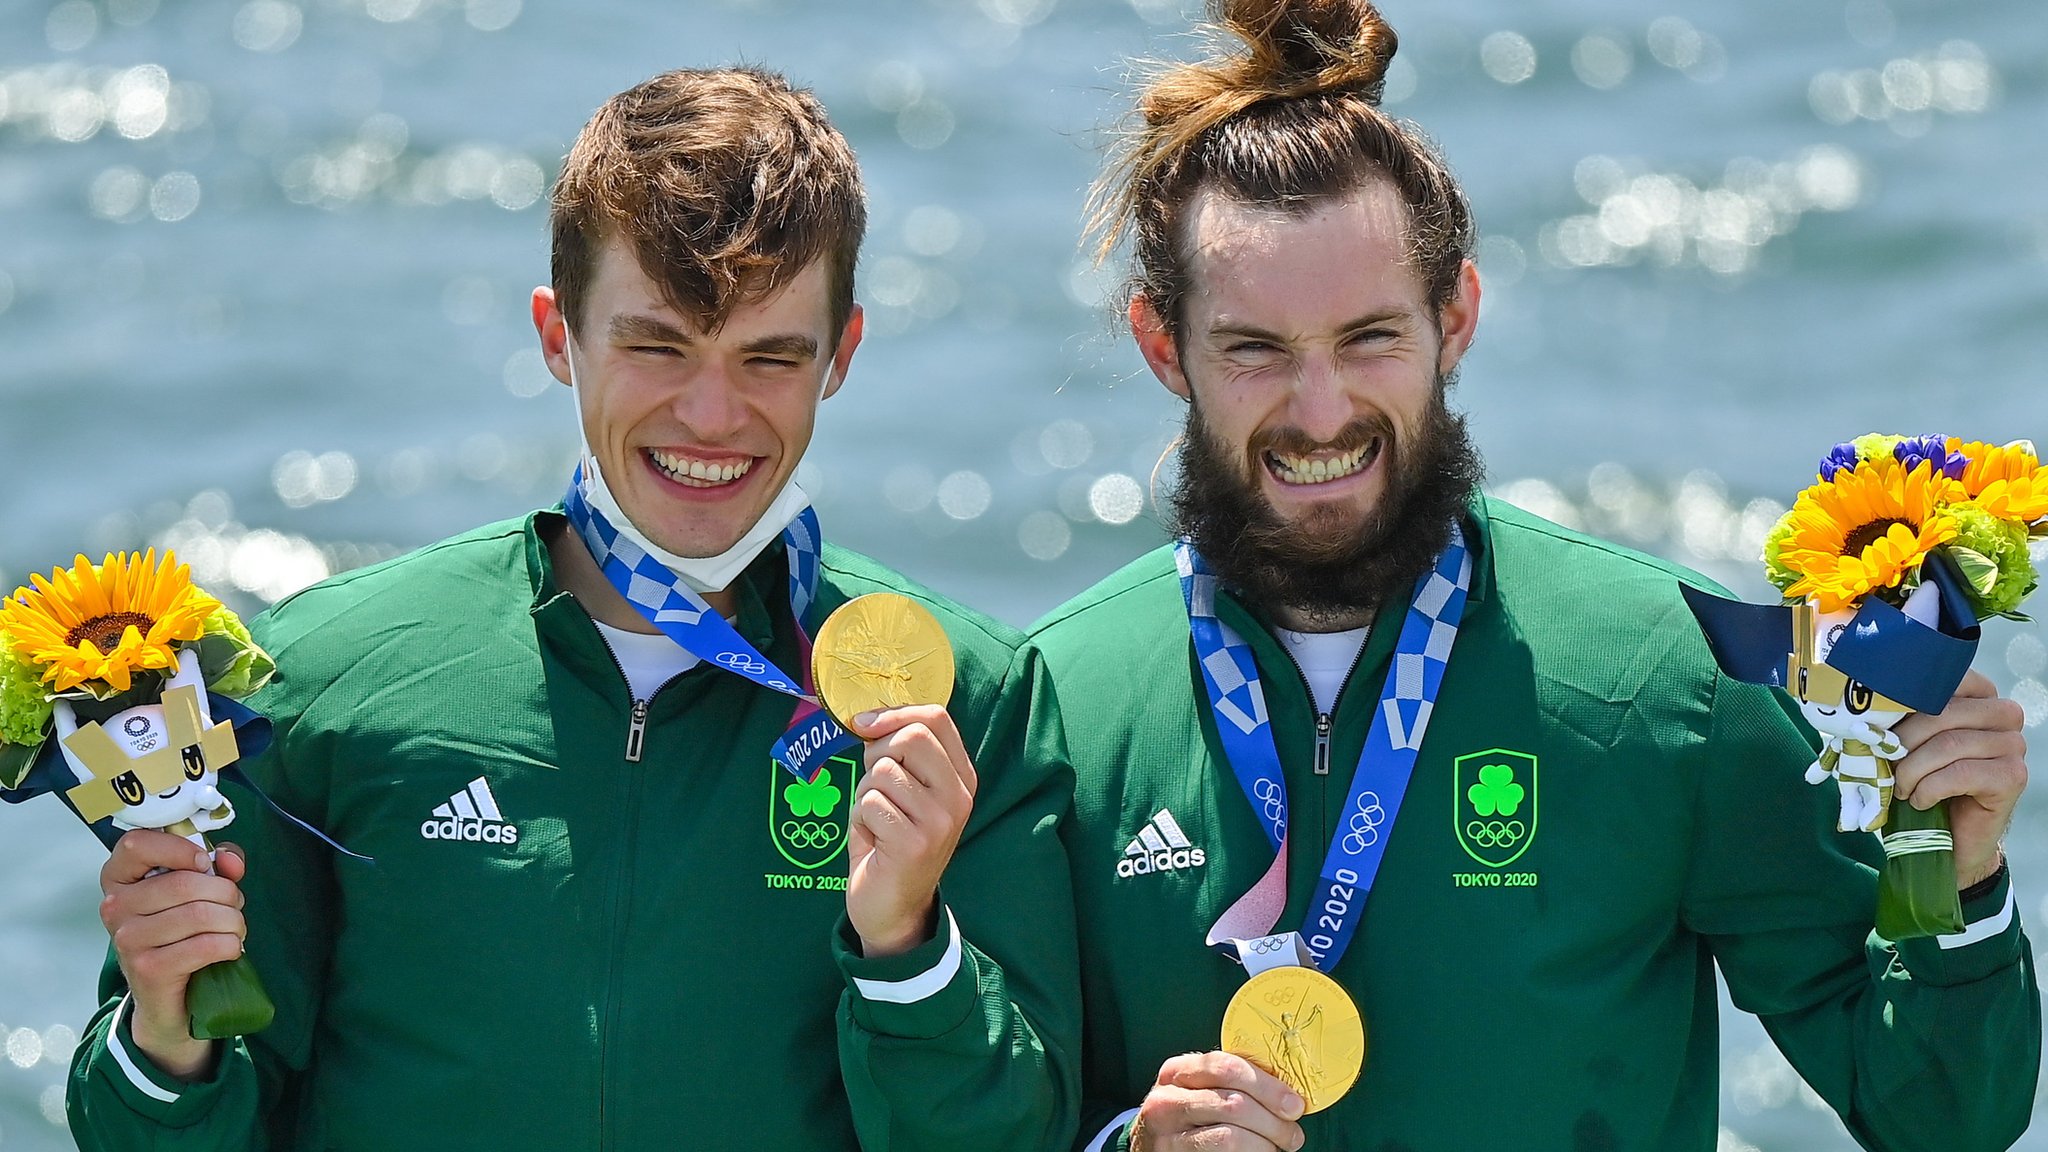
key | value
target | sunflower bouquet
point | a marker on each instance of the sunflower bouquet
(111, 677)
(1929, 530)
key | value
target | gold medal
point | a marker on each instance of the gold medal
(1299, 1025)
(881, 650)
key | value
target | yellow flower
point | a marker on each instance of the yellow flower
(2008, 482)
(98, 625)
(1865, 530)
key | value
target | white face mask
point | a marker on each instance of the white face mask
(702, 574)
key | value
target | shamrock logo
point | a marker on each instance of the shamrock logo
(1496, 791)
(819, 797)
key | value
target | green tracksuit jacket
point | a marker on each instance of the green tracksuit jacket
(560, 946)
(1547, 987)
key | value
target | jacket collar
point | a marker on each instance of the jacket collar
(561, 619)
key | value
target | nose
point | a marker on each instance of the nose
(710, 405)
(1321, 406)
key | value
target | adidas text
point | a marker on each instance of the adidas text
(471, 830)
(1160, 846)
(471, 814)
(1161, 862)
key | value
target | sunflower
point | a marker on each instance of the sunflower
(100, 625)
(1863, 531)
(2008, 482)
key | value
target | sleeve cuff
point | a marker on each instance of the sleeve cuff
(1115, 1136)
(149, 1090)
(1990, 939)
(922, 993)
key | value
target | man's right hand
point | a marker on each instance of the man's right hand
(1216, 1101)
(165, 927)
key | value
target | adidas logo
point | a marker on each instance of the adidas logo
(471, 814)
(1160, 847)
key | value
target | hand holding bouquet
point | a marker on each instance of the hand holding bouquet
(111, 676)
(1887, 564)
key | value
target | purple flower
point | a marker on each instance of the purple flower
(1932, 448)
(1839, 457)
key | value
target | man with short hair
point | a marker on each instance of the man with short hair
(601, 915)
(1366, 748)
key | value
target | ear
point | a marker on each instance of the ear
(1157, 346)
(842, 352)
(1460, 319)
(553, 328)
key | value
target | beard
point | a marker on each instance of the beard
(1329, 564)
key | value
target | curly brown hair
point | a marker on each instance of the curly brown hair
(1291, 120)
(726, 182)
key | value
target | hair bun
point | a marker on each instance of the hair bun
(1302, 47)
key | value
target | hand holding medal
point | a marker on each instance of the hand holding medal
(884, 669)
(1299, 1025)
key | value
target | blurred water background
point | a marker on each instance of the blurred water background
(264, 266)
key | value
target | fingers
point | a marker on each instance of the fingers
(140, 934)
(229, 861)
(1213, 1100)
(154, 894)
(1227, 1070)
(915, 758)
(903, 822)
(159, 976)
(142, 851)
(1993, 784)
(1984, 710)
(1970, 728)
(1977, 685)
(928, 733)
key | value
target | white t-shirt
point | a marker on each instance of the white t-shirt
(1325, 659)
(648, 661)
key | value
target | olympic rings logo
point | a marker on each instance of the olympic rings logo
(809, 834)
(741, 662)
(1274, 801)
(1265, 945)
(1365, 822)
(1495, 833)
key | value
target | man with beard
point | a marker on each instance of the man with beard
(1355, 680)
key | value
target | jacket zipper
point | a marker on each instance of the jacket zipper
(636, 731)
(636, 724)
(622, 884)
(1324, 722)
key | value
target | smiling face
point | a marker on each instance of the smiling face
(696, 431)
(1316, 369)
(1310, 347)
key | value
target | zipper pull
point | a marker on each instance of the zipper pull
(636, 732)
(1322, 743)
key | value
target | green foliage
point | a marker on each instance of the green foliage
(229, 659)
(24, 704)
(1992, 554)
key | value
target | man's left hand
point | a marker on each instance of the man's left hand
(908, 813)
(1973, 755)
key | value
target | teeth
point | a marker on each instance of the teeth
(1293, 469)
(699, 473)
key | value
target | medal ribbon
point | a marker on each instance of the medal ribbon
(679, 613)
(1238, 700)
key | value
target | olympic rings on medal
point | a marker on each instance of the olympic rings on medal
(809, 834)
(1265, 944)
(1495, 833)
(1365, 821)
(741, 662)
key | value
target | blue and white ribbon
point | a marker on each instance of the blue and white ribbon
(679, 613)
(1238, 700)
